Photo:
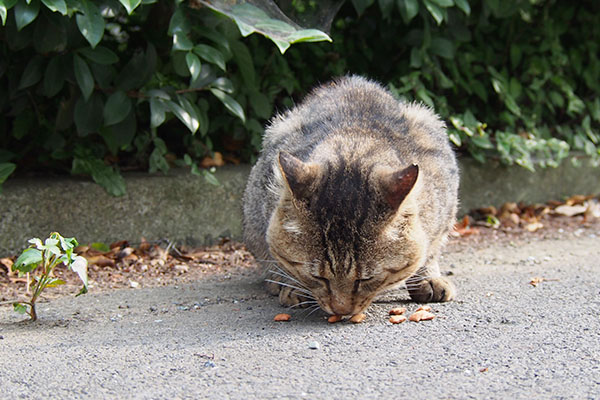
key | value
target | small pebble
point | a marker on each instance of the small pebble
(314, 345)
(210, 364)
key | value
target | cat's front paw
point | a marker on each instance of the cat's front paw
(289, 297)
(432, 290)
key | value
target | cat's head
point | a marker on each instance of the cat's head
(345, 231)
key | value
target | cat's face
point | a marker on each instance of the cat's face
(345, 249)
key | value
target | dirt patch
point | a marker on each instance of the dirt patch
(145, 264)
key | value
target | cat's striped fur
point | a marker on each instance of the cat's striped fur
(354, 192)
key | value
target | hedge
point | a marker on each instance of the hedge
(101, 87)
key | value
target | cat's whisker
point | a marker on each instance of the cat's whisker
(291, 278)
(314, 308)
(305, 292)
(303, 303)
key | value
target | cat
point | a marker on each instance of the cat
(354, 193)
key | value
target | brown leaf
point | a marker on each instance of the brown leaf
(215, 161)
(570, 211)
(100, 260)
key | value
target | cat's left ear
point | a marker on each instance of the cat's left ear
(397, 185)
(299, 176)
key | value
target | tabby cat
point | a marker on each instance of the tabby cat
(354, 193)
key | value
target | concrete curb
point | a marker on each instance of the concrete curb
(186, 209)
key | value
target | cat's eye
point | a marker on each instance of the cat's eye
(358, 282)
(325, 281)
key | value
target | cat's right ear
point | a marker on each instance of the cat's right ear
(299, 176)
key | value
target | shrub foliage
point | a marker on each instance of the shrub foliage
(98, 87)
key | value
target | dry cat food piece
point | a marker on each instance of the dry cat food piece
(421, 315)
(397, 311)
(424, 308)
(282, 317)
(358, 318)
(334, 318)
(397, 319)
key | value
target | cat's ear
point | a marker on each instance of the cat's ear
(397, 185)
(299, 176)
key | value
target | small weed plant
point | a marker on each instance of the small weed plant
(40, 259)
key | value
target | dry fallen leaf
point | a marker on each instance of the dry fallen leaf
(570, 211)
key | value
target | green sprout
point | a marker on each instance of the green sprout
(44, 257)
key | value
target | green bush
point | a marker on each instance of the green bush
(515, 80)
(95, 87)
(119, 85)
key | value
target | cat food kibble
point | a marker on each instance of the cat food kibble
(282, 317)
(397, 319)
(421, 315)
(397, 311)
(334, 318)
(358, 318)
(424, 308)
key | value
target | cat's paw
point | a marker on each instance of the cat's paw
(289, 297)
(432, 290)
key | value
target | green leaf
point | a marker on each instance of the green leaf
(84, 76)
(26, 12)
(260, 104)
(79, 266)
(100, 55)
(211, 55)
(28, 260)
(193, 64)
(244, 61)
(32, 73)
(102, 174)
(230, 103)
(444, 3)
(157, 112)
(121, 134)
(56, 5)
(90, 23)
(308, 35)
(20, 308)
(187, 116)
(210, 177)
(54, 77)
(54, 282)
(130, 5)
(436, 11)
(408, 9)
(5, 170)
(117, 107)
(442, 47)
(88, 115)
(182, 42)
(361, 5)
(464, 6)
(103, 247)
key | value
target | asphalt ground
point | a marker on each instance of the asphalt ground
(502, 338)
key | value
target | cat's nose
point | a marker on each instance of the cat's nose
(341, 307)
